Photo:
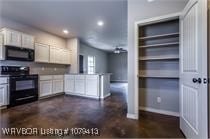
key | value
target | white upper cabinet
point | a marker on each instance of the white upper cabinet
(60, 56)
(11, 37)
(42, 53)
(54, 55)
(27, 41)
(66, 56)
(2, 49)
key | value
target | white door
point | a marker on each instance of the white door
(27, 41)
(57, 86)
(193, 68)
(45, 88)
(42, 53)
(69, 84)
(92, 85)
(3, 95)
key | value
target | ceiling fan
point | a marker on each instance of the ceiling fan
(119, 50)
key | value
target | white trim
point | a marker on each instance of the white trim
(107, 95)
(132, 116)
(145, 22)
(81, 95)
(158, 19)
(171, 113)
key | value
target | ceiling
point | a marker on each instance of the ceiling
(78, 16)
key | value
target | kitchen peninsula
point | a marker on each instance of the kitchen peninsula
(88, 85)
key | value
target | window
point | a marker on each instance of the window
(91, 64)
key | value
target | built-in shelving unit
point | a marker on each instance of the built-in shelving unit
(158, 63)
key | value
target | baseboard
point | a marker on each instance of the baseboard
(107, 95)
(159, 111)
(80, 95)
(52, 95)
(132, 116)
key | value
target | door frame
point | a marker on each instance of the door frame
(136, 63)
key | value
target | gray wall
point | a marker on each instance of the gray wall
(41, 37)
(101, 57)
(118, 66)
(139, 10)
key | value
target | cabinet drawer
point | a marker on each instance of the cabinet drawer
(69, 77)
(79, 77)
(91, 77)
(3, 80)
(58, 77)
(45, 77)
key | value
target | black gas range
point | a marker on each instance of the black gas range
(23, 87)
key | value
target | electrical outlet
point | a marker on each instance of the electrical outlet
(43, 69)
(159, 99)
(55, 69)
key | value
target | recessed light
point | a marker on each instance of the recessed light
(65, 31)
(100, 23)
(150, 0)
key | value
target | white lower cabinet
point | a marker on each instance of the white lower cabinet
(92, 85)
(79, 84)
(3, 95)
(69, 84)
(45, 88)
(82, 85)
(50, 84)
(4, 91)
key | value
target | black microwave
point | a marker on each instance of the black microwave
(19, 54)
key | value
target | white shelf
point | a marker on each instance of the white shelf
(159, 76)
(173, 57)
(160, 36)
(160, 45)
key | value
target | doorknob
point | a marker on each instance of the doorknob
(197, 80)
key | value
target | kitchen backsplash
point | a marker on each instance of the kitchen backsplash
(39, 68)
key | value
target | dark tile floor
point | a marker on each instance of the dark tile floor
(109, 116)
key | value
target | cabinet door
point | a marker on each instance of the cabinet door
(27, 41)
(92, 85)
(3, 95)
(42, 53)
(79, 84)
(45, 88)
(55, 55)
(66, 57)
(2, 48)
(69, 84)
(57, 86)
(12, 38)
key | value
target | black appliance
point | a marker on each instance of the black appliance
(23, 87)
(19, 54)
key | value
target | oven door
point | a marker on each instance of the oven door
(19, 54)
(23, 89)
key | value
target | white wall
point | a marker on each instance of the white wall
(139, 10)
(100, 56)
